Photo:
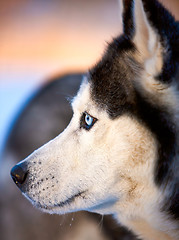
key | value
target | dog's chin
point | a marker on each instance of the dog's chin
(66, 206)
(55, 209)
(78, 205)
(76, 202)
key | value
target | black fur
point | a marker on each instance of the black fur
(112, 78)
(128, 23)
(113, 89)
(160, 122)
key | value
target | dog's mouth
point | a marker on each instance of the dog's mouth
(68, 201)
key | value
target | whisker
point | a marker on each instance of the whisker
(63, 220)
(100, 224)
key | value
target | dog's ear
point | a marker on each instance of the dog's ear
(137, 27)
(155, 34)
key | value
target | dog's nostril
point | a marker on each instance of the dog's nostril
(18, 174)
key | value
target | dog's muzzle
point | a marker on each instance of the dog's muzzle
(19, 174)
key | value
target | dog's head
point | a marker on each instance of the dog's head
(115, 150)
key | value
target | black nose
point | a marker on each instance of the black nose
(19, 173)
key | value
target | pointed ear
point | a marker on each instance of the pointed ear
(126, 11)
(138, 28)
(146, 39)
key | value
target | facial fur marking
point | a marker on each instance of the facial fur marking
(164, 129)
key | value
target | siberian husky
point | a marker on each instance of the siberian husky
(120, 153)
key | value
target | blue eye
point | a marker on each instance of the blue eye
(87, 121)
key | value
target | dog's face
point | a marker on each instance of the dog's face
(94, 164)
(115, 152)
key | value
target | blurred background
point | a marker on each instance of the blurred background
(45, 47)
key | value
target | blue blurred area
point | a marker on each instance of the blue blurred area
(12, 98)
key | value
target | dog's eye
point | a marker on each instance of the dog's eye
(87, 121)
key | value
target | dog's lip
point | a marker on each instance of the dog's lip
(61, 204)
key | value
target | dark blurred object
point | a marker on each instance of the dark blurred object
(43, 118)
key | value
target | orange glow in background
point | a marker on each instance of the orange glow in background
(54, 36)
(48, 36)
